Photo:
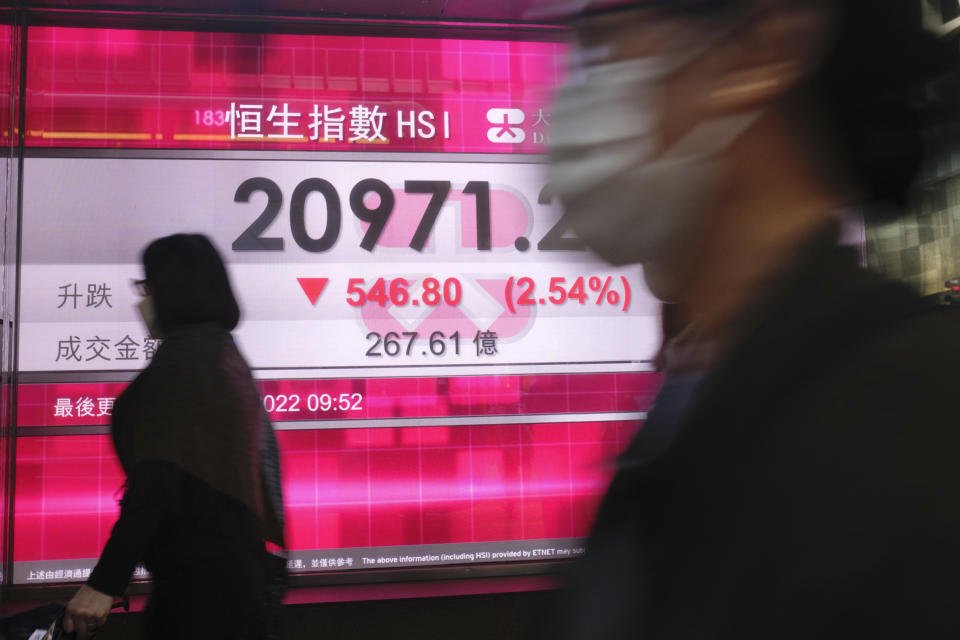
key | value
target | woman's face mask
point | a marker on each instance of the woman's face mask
(628, 204)
(148, 315)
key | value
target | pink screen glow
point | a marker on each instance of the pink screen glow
(6, 83)
(536, 466)
(74, 404)
(168, 89)
(364, 487)
(353, 487)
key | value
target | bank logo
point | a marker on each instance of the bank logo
(506, 131)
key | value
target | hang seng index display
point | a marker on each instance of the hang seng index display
(448, 369)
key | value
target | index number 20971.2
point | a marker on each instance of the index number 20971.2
(252, 238)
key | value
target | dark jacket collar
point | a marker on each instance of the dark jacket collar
(822, 305)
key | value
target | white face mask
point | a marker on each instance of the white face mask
(628, 206)
(148, 315)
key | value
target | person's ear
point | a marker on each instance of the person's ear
(769, 56)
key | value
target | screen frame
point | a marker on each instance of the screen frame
(200, 21)
(303, 24)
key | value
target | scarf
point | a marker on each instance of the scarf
(196, 406)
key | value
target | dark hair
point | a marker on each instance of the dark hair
(188, 282)
(866, 98)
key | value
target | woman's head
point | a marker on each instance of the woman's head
(188, 283)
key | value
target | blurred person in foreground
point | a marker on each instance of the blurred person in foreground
(798, 475)
(203, 486)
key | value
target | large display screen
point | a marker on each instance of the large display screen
(449, 371)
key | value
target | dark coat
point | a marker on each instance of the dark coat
(191, 435)
(813, 489)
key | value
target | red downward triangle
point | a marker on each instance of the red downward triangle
(313, 287)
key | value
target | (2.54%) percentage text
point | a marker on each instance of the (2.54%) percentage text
(583, 290)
